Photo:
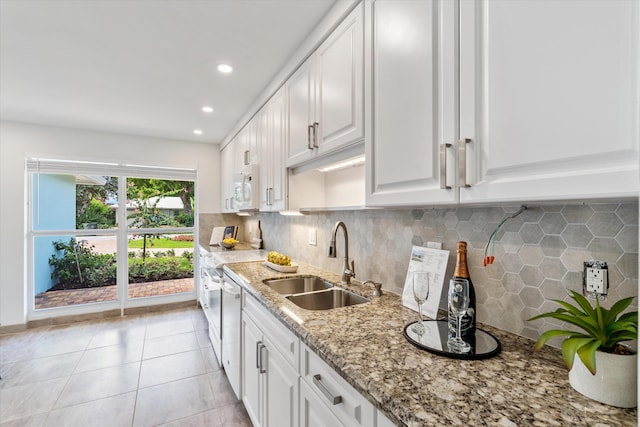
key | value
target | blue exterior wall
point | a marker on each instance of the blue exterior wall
(54, 208)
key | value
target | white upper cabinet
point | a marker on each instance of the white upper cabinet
(325, 95)
(503, 101)
(271, 143)
(227, 168)
(410, 83)
(300, 90)
(549, 99)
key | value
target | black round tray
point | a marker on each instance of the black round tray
(434, 340)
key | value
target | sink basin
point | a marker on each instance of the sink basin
(326, 300)
(298, 285)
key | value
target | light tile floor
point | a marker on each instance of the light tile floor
(145, 370)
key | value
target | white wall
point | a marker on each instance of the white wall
(18, 139)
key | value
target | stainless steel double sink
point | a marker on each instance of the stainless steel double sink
(314, 293)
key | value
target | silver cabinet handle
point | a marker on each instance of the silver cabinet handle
(262, 368)
(309, 146)
(315, 134)
(258, 344)
(335, 400)
(266, 193)
(443, 167)
(246, 157)
(462, 162)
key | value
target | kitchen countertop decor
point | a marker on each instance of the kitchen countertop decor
(365, 345)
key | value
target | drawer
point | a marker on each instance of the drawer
(284, 340)
(351, 408)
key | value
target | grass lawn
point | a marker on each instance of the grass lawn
(160, 243)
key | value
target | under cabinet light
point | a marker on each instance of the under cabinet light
(357, 161)
(207, 109)
(197, 131)
(291, 213)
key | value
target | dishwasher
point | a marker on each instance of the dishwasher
(231, 331)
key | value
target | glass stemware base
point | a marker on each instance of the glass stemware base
(457, 345)
(419, 328)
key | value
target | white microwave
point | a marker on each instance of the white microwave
(245, 189)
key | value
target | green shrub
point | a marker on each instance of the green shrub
(185, 220)
(159, 269)
(97, 214)
(79, 267)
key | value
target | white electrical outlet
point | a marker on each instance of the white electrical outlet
(313, 236)
(596, 277)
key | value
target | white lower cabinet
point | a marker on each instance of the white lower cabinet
(332, 391)
(285, 384)
(269, 368)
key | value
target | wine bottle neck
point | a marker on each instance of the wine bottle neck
(461, 266)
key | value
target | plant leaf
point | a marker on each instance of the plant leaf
(571, 345)
(583, 303)
(552, 333)
(630, 317)
(618, 308)
(587, 354)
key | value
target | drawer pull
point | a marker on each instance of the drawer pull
(334, 400)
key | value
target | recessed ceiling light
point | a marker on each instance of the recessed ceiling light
(197, 131)
(207, 109)
(225, 68)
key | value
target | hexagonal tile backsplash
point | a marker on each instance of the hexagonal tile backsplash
(538, 255)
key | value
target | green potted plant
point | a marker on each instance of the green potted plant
(600, 365)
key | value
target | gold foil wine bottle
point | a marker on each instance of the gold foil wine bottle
(468, 329)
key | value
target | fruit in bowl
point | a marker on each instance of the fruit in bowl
(228, 243)
(278, 258)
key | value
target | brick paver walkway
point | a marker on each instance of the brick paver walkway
(108, 293)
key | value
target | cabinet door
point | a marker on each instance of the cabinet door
(411, 91)
(281, 391)
(278, 194)
(300, 89)
(549, 99)
(264, 150)
(340, 85)
(226, 177)
(273, 172)
(251, 382)
(313, 411)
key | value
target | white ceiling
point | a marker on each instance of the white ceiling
(145, 67)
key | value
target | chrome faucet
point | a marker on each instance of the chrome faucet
(348, 271)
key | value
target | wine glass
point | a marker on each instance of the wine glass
(458, 304)
(420, 294)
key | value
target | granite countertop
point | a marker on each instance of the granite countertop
(365, 345)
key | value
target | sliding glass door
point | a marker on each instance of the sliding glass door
(112, 239)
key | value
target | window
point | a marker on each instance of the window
(109, 234)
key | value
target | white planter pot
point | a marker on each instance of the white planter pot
(615, 381)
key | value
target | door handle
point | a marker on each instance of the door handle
(262, 369)
(443, 167)
(462, 162)
(315, 134)
(309, 146)
(258, 344)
